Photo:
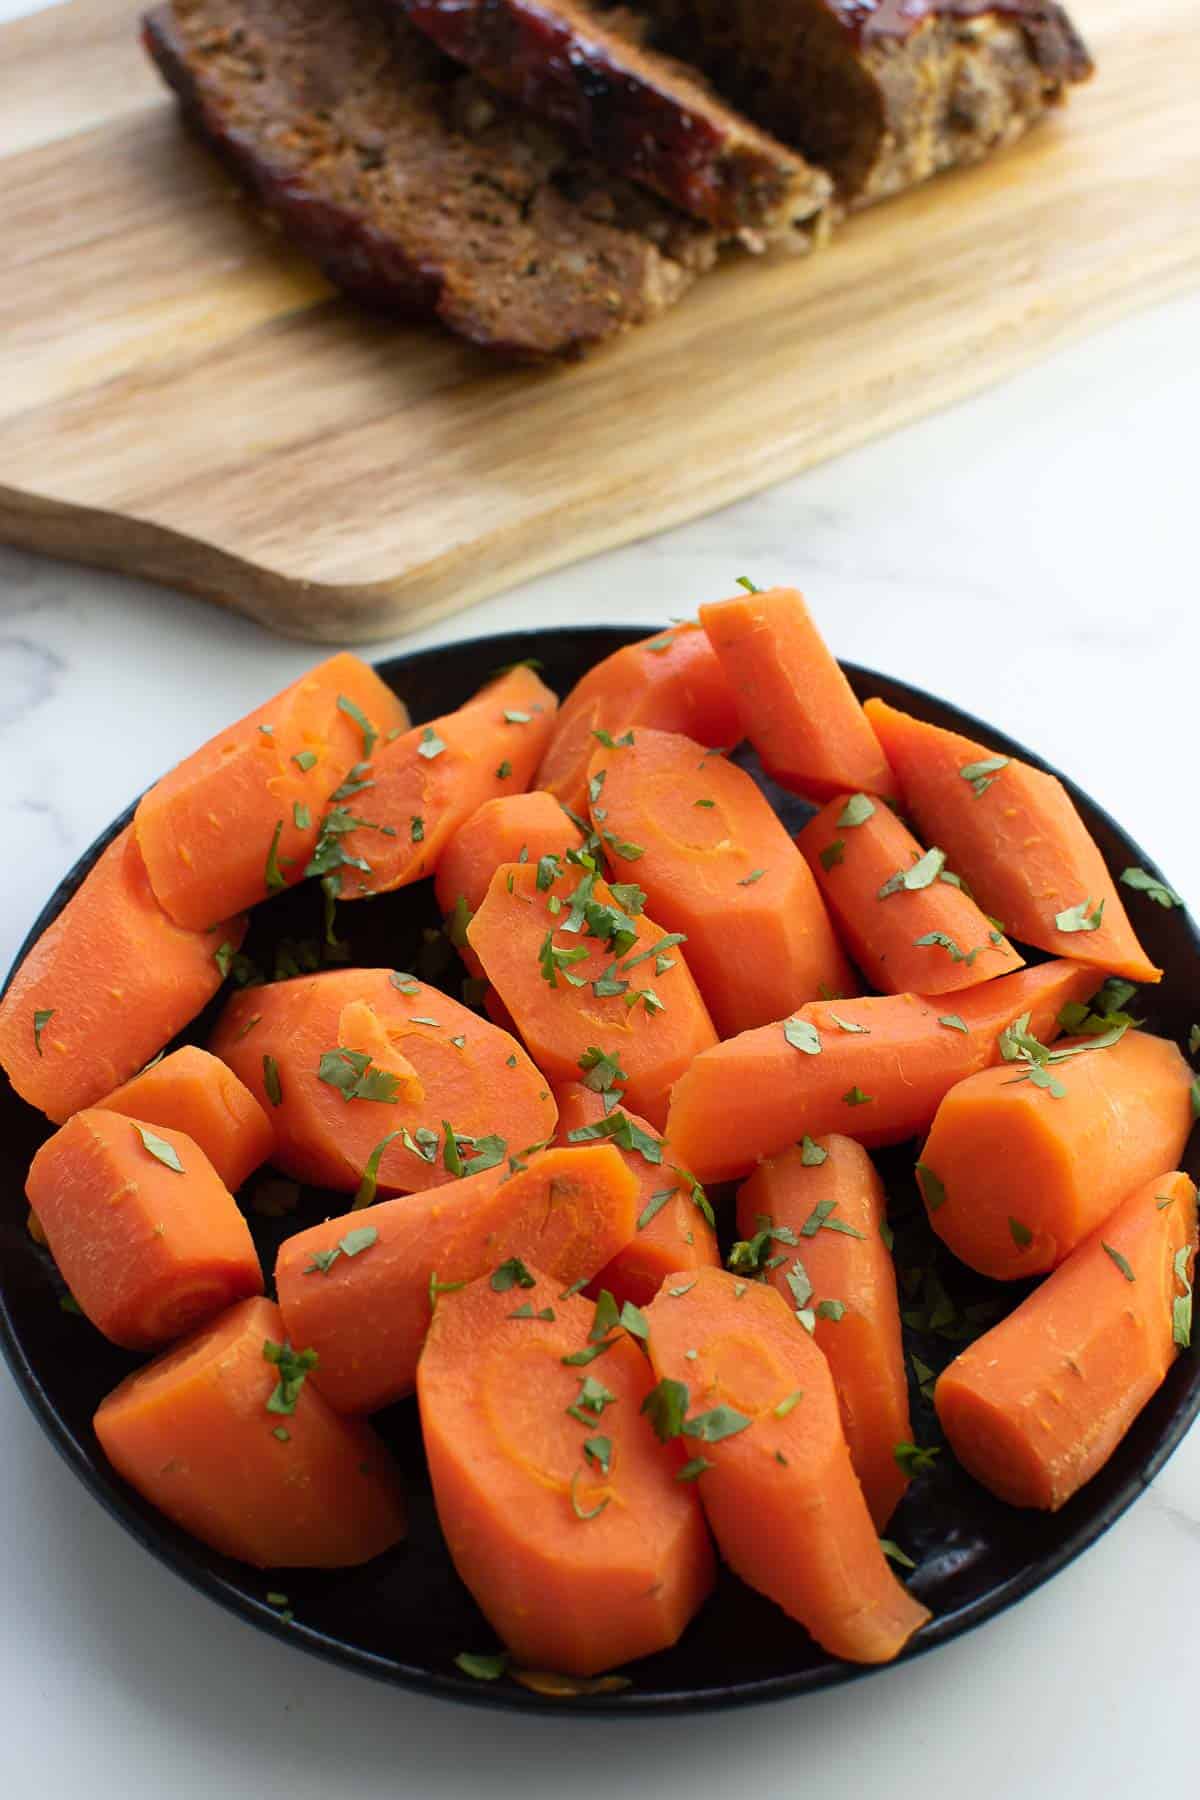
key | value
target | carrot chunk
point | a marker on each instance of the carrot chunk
(777, 1483)
(145, 1233)
(367, 1317)
(908, 926)
(719, 868)
(1014, 834)
(238, 819)
(823, 1213)
(795, 705)
(1023, 1161)
(194, 1092)
(575, 967)
(874, 1069)
(514, 828)
(105, 987)
(1037, 1405)
(671, 681)
(226, 1436)
(561, 1510)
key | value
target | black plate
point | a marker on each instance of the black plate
(405, 1616)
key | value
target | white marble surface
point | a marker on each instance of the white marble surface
(1029, 553)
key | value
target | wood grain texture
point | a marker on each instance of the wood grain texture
(184, 398)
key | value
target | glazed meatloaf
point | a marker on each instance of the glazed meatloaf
(414, 188)
(882, 93)
(648, 116)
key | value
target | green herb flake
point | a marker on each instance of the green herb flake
(1022, 1237)
(69, 1304)
(856, 1097)
(982, 774)
(369, 732)
(598, 1451)
(634, 1321)
(704, 803)
(714, 1426)
(282, 1433)
(833, 854)
(159, 1148)
(922, 874)
(517, 718)
(1181, 1309)
(938, 940)
(592, 1399)
(1143, 882)
(1121, 1261)
(914, 1460)
(850, 1026)
(293, 1366)
(546, 1315)
(834, 1310)
(752, 877)
(857, 810)
(482, 1668)
(273, 875)
(351, 1074)
(694, 1468)
(802, 1035)
(744, 581)
(895, 1554)
(932, 1187)
(1078, 918)
(952, 1022)
(685, 1287)
(624, 1133)
(404, 984)
(271, 1082)
(43, 1017)
(666, 1408)
(611, 743)
(430, 745)
(811, 1153)
(787, 1403)
(510, 1274)
(305, 760)
(1195, 1092)
(504, 770)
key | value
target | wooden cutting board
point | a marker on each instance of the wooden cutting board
(182, 397)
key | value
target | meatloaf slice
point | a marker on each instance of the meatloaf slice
(413, 188)
(883, 93)
(648, 116)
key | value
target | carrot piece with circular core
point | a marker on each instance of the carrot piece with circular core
(780, 1491)
(1014, 834)
(874, 1069)
(194, 1432)
(428, 782)
(821, 1207)
(909, 927)
(1015, 1173)
(718, 867)
(795, 704)
(105, 987)
(194, 1092)
(367, 1318)
(561, 1510)
(238, 819)
(1035, 1407)
(672, 1231)
(143, 1230)
(672, 682)
(332, 1105)
(575, 967)
(514, 828)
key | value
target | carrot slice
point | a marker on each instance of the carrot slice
(427, 783)
(671, 681)
(145, 1233)
(884, 1064)
(779, 1490)
(1035, 1407)
(195, 1434)
(823, 1209)
(909, 927)
(332, 1110)
(561, 1510)
(239, 817)
(195, 1093)
(1015, 1174)
(1014, 834)
(367, 1317)
(105, 987)
(575, 968)
(795, 705)
(718, 866)
(514, 828)
(673, 1231)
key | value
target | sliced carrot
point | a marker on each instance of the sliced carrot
(331, 1109)
(145, 1233)
(673, 1229)
(908, 926)
(427, 783)
(514, 828)
(194, 1092)
(883, 1066)
(1016, 1173)
(561, 1510)
(1014, 834)
(795, 705)
(779, 1489)
(717, 866)
(220, 1439)
(823, 1210)
(1035, 1407)
(105, 987)
(238, 819)
(672, 682)
(557, 967)
(367, 1315)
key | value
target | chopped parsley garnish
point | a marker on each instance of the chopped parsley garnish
(856, 1097)
(404, 983)
(353, 1244)
(913, 1459)
(714, 1426)
(981, 774)
(293, 1366)
(1181, 1309)
(834, 1310)
(598, 1451)
(612, 743)
(744, 581)
(895, 1554)
(938, 940)
(857, 810)
(601, 1072)
(659, 644)
(504, 770)
(954, 1023)
(351, 1073)
(922, 874)
(417, 829)
(1121, 1261)
(301, 817)
(849, 1025)
(369, 1185)
(592, 1398)
(693, 1468)
(271, 1082)
(482, 1668)
(582, 1512)
(358, 779)
(510, 1274)
(553, 961)
(517, 718)
(811, 1153)
(787, 1403)
(704, 803)
(159, 1148)
(274, 876)
(1078, 918)
(821, 1218)
(752, 877)
(305, 760)
(833, 854)
(621, 1129)
(430, 745)
(1144, 883)
(370, 734)
(526, 1312)
(1022, 1237)
(802, 1035)
(654, 1206)
(666, 1408)
(931, 1186)
(620, 847)
(549, 868)
(43, 1016)
(437, 1288)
